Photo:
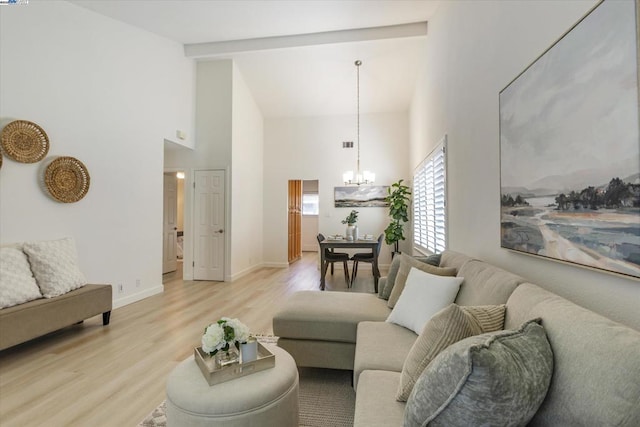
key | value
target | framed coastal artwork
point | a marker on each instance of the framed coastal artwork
(362, 196)
(570, 147)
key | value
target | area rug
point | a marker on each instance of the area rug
(326, 398)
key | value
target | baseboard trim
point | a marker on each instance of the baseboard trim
(275, 264)
(121, 302)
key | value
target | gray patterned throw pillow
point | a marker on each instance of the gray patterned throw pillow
(498, 378)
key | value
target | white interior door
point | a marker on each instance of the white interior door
(209, 220)
(170, 227)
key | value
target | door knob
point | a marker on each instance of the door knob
(221, 231)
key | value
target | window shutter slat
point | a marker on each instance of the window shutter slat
(429, 201)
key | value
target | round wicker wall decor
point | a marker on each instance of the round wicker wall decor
(24, 141)
(67, 179)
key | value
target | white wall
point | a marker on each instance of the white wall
(473, 50)
(212, 147)
(108, 94)
(309, 148)
(247, 180)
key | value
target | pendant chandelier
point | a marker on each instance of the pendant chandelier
(365, 177)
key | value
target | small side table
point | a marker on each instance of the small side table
(266, 398)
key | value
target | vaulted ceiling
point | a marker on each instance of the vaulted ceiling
(297, 57)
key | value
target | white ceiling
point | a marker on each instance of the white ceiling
(298, 81)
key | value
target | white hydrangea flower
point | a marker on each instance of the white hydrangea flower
(213, 338)
(241, 330)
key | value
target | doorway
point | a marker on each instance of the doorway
(173, 221)
(310, 215)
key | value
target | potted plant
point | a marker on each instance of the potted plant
(352, 228)
(398, 199)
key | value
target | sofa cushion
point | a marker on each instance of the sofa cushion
(17, 284)
(423, 296)
(386, 286)
(406, 264)
(596, 380)
(453, 259)
(449, 325)
(327, 316)
(375, 402)
(485, 284)
(499, 378)
(382, 346)
(55, 266)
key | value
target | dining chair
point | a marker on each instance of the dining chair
(331, 257)
(370, 257)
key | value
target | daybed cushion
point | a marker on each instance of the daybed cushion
(406, 264)
(17, 284)
(376, 405)
(54, 264)
(450, 325)
(327, 316)
(35, 318)
(499, 378)
(423, 296)
(381, 345)
(596, 380)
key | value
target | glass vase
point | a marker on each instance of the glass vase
(225, 358)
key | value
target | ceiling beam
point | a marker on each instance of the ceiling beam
(213, 49)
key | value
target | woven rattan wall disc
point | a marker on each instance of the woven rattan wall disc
(24, 141)
(67, 179)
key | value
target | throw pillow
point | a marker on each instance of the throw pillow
(385, 291)
(499, 378)
(423, 296)
(451, 324)
(17, 284)
(55, 266)
(406, 264)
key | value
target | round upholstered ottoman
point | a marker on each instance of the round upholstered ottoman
(266, 398)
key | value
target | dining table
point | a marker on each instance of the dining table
(333, 242)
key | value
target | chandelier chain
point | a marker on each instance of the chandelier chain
(358, 63)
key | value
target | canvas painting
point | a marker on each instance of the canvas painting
(362, 196)
(570, 147)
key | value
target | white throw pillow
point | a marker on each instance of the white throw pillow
(55, 266)
(423, 296)
(17, 284)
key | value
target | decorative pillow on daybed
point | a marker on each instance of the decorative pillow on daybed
(385, 291)
(406, 264)
(450, 325)
(423, 296)
(499, 378)
(55, 266)
(17, 284)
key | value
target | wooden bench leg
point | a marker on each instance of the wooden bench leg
(106, 316)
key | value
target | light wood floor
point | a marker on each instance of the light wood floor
(90, 375)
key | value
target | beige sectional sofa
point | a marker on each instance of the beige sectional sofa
(596, 374)
(42, 290)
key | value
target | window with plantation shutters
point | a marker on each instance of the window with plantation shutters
(429, 201)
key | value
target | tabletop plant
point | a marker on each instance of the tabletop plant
(398, 200)
(351, 219)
